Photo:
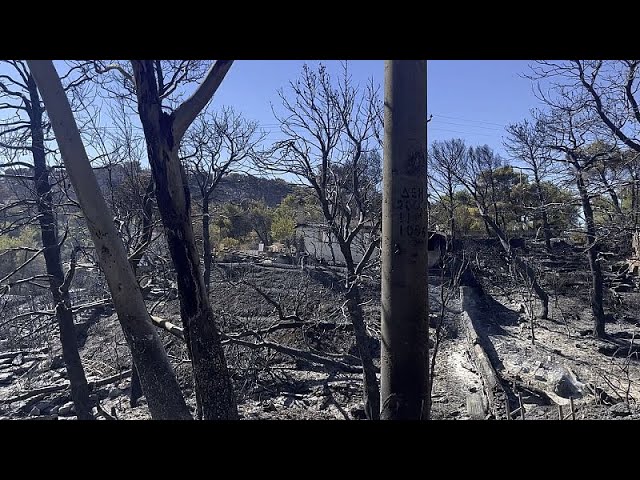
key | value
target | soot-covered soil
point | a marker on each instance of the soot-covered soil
(562, 361)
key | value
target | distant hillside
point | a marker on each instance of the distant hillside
(233, 188)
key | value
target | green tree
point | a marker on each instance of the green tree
(283, 222)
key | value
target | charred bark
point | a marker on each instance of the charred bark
(214, 389)
(597, 296)
(158, 380)
(206, 242)
(49, 234)
(370, 388)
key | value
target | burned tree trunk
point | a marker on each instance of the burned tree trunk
(206, 242)
(371, 392)
(158, 380)
(57, 285)
(546, 230)
(545, 218)
(597, 307)
(523, 268)
(214, 390)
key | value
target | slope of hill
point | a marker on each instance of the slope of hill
(233, 188)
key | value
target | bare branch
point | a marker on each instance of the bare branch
(187, 112)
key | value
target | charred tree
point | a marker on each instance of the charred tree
(526, 143)
(597, 305)
(157, 378)
(58, 283)
(163, 133)
(336, 157)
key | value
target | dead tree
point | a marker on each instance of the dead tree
(608, 91)
(158, 380)
(571, 132)
(215, 146)
(472, 176)
(330, 132)
(444, 159)
(164, 133)
(153, 89)
(19, 93)
(525, 142)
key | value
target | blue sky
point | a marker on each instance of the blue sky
(472, 99)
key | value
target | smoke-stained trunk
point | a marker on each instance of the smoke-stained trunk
(206, 242)
(158, 380)
(214, 389)
(48, 231)
(371, 392)
(545, 219)
(597, 298)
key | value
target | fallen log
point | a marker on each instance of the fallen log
(492, 385)
(24, 352)
(168, 326)
(37, 391)
(63, 386)
(108, 380)
(296, 353)
(292, 352)
(476, 406)
(43, 417)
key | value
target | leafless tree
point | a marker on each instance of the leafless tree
(150, 359)
(156, 91)
(25, 132)
(572, 132)
(526, 142)
(216, 144)
(444, 159)
(476, 180)
(608, 90)
(330, 132)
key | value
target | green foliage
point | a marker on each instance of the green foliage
(27, 237)
(283, 225)
(468, 220)
(233, 222)
(244, 222)
(253, 221)
(259, 217)
(284, 218)
(228, 242)
(516, 201)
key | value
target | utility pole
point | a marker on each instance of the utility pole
(404, 361)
